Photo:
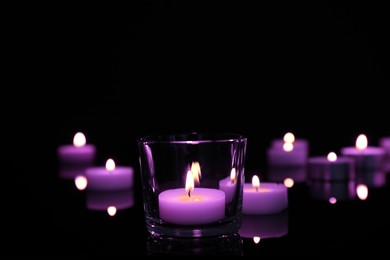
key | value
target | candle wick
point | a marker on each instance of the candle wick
(257, 189)
(189, 193)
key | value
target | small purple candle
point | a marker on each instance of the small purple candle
(79, 153)
(267, 198)
(366, 157)
(331, 168)
(191, 206)
(288, 152)
(110, 177)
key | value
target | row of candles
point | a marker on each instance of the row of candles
(265, 199)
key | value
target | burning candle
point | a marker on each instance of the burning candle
(288, 152)
(229, 185)
(79, 153)
(110, 177)
(190, 206)
(366, 157)
(267, 198)
(331, 168)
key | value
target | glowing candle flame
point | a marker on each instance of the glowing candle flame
(79, 139)
(332, 200)
(256, 240)
(189, 183)
(288, 182)
(289, 138)
(195, 169)
(256, 182)
(332, 156)
(233, 175)
(110, 165)
(362, 191)
(81, 182)
(288, 147)
(111, 210)
(361, 142)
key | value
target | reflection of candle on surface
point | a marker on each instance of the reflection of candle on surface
(267, 198)
(229, 185)
(333, 191)
(191, 206)
(384, 142)
(280, 174)
(110, 177)
(288, 152)
(366, 157)
(110, 201)
(78, 153)
(264, 226)
(331, 168)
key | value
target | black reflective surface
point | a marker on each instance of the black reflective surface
(318, 69)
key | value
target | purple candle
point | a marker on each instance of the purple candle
(110, 177)
(267, 198)
(331, 168)
(191, 206)
(366, 157)
(79, 153)
(288, 151)
(229, 185)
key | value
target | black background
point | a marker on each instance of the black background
(119, 72)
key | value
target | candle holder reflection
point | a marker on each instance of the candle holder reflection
(227, 245)
(70, 172)
(258, 227)
(333, 191)
(109, 201)
(280, 174)
(371, 177)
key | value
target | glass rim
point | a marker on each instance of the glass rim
(192, 138)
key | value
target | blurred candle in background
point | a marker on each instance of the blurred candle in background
(110, 177)
(288, 152)
(77, 154)
(366, 157)
(331, 168)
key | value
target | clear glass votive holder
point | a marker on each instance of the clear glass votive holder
(192, 184)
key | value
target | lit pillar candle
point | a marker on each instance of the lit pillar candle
(190, 205)
(366, 157)
(331, 168)
(229, 185)
(264, 198)
(110, 177)
(288, 152)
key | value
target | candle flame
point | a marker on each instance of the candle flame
(288, 182)
(111, 210)
(256, 239)
(195, 169)
(256, 182)
(332, 156)
(289, 138)
(81, 182)
(79, 139)
(110, 165)
(288, 147)
(361, 142)
(362, 191)
(233, 175)
(189, 183)
(332, 200)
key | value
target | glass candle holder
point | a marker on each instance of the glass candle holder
(192, 183)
